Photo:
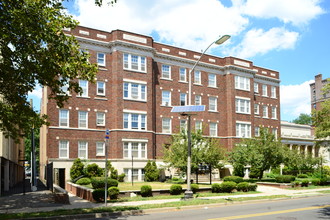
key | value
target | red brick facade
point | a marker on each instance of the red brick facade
(114, 74)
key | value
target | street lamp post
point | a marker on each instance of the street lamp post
(188, 193)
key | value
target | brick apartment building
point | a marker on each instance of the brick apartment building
(138, 82)
(317, 94)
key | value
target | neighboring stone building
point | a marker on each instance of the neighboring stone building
(138, 82)
(11, 162)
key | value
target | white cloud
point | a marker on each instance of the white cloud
(295, 99)
(36, 93)
(297, 12)
(258, 41)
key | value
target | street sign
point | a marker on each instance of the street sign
(107, 133)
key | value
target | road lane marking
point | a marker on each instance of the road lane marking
(270, 213)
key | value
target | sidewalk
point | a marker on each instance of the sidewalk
(42, 200)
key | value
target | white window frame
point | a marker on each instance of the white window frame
(182, 74)
(100, 60)
(100, 118)
(140, 118)
(141, 64)
(273, 92)
(265, 111)
(63, 146)
(197, 77)
(264, 90)
(213, 104)
(80, 144)
(198, 100)
(63, 120)
(243, 105)
(138, 174)
(183, 124)
(212, 82)
(274, 131)
(256, 87)
(198, 125)
(242, 83)
(141, 149)
(64, 88)
(166, 71)
(274, 112)
(166, 100)
(257, 131)
(81, 120)
(183, 95)
(243, 130)
(213, 129)
(166, 125)
(100, 90)
(100, 148)
(256, 109)
(84, 88)
(141, 89)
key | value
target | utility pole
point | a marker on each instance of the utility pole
(33, 158)
(107, 133)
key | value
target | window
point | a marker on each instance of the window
(166, 71)
(100, 148)
(82, 119)
(183, 75)
(183, 124)
(265, 111)
(100, 119)
(134, 121)
(197, 77)
(243, 130)
(183, 99)
(134, 62)
(84, 86)
(213, 104)
(213, 129)
(101, 59)
(242, 106)
(198, 125)
(274, 132)
(136, 175)
(135, 149)
(257, 131)
(274, 113)
(134, 91)
(256, 87)
(264, 90)
(273, 92)
(212, 80)
(100, 88)
(166, 125)
(82, 149)
(242, 83)
(63, 149)
(65, 87)
(63, 118)
(256, 109)
(198, 100)
(166, 98)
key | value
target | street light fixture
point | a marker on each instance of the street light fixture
(188, 193)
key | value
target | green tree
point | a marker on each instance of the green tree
(35, 50)
(151, 173)
(296, 162)
(203, 150)
(261, 153)
(321, 120)
(77, 169)
(304, 119)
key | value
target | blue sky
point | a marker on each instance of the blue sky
(289, 36)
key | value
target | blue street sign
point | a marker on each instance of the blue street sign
(107, 137)
(107, 132)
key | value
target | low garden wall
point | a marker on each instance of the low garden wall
(278, 185)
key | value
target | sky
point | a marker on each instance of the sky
(288, 36)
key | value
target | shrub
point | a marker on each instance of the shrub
(216, 188)
(236, 179)
(295, 183)
(302, 175)
(77, 169)
(113, 192)
(177, 180)
(84, 181)
(93, 170)
(304, 183)
(285, 178)
(323, 181)
(316, 182)
(121, 177)
(99, 182)
(175, 189)
(151, 171)
(98, 195)
(253, 187)
(243, 186)
(146, 191)
(114, 173)
(228, 186)
(194, 188)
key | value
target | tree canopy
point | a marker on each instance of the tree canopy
(303, 119)
(35, 50)
(321, 121)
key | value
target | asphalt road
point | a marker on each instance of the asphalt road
(309, 208)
